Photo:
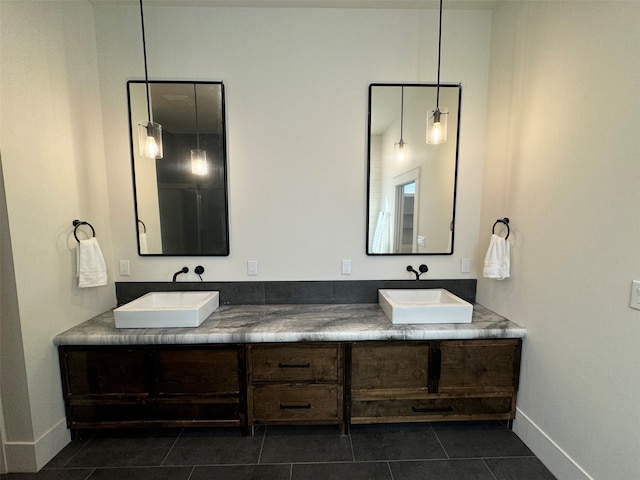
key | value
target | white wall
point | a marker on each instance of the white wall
(296, 84)
(563, 162)
(54, 171)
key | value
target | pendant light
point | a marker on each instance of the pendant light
(437, 119)
(149, 135)
(401, 146)
(198, 157)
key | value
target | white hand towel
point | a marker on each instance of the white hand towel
(92, 271)
(497, 261)
(142, 237)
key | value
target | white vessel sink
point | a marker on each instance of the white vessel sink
(167, 310)
(424, 306)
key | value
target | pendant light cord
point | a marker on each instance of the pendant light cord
(439, 49)
(144, 53)
(401, 113)
(195, 100)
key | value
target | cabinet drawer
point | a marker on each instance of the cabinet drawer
(194, 412)
(197, 371)
(431, 409)
(315, 363)
(389, 366)
(105, 414)
(311, 402)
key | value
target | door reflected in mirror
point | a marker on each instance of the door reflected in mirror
(411, 184)
(181, 199)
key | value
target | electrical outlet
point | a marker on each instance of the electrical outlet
(635, 295)
(252, 267)
(125, 269)
(346, 267)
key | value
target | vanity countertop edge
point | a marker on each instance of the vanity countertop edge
(290, 323)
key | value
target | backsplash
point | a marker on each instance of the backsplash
(291, 292)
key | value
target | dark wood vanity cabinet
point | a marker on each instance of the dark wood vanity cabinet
(160, 385)
(290, 383)
(434, 380)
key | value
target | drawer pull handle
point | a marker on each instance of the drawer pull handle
(432, 410)
(294, 365)
(303, 406)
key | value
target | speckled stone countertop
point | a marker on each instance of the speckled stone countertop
(290, 323)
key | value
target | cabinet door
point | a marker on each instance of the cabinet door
(197, 385)
(196, 370)
(104, 385)
(105, 371)
(389, 366)
(479, 365)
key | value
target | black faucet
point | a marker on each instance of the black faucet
(184, 270)
(423, 269)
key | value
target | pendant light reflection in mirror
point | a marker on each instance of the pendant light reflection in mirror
(150, 135)
(401, 145)
(198, 156)
(437, 119)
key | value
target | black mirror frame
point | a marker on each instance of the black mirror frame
(138, 221)
(455, 177)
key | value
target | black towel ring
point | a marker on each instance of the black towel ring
(504, 220)
(77, 223)
(144, 227)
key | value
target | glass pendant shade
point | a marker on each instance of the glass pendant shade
(401, 149)
(437, 126)
(150, 140)
(198, 162)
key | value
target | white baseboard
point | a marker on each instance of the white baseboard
(549, 452)
(30, 457)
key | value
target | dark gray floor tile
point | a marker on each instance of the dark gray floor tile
(67, 474)
(519, 469)
(242, 472)
(479, 439)
(68, 452)
(340, 471)
(441, 470)
(214, 446)
(137, 448)
(305, 444)
(412, 441)
(142, 473)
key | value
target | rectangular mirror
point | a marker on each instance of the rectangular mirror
(411, 190)
(181, 205)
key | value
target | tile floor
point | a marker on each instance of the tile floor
(436, 451)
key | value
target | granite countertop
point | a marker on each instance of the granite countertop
(290, 323)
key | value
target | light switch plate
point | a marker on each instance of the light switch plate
(635, 295)
(346, 267)
(125, 269)
(252, 267)
(465, 265)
